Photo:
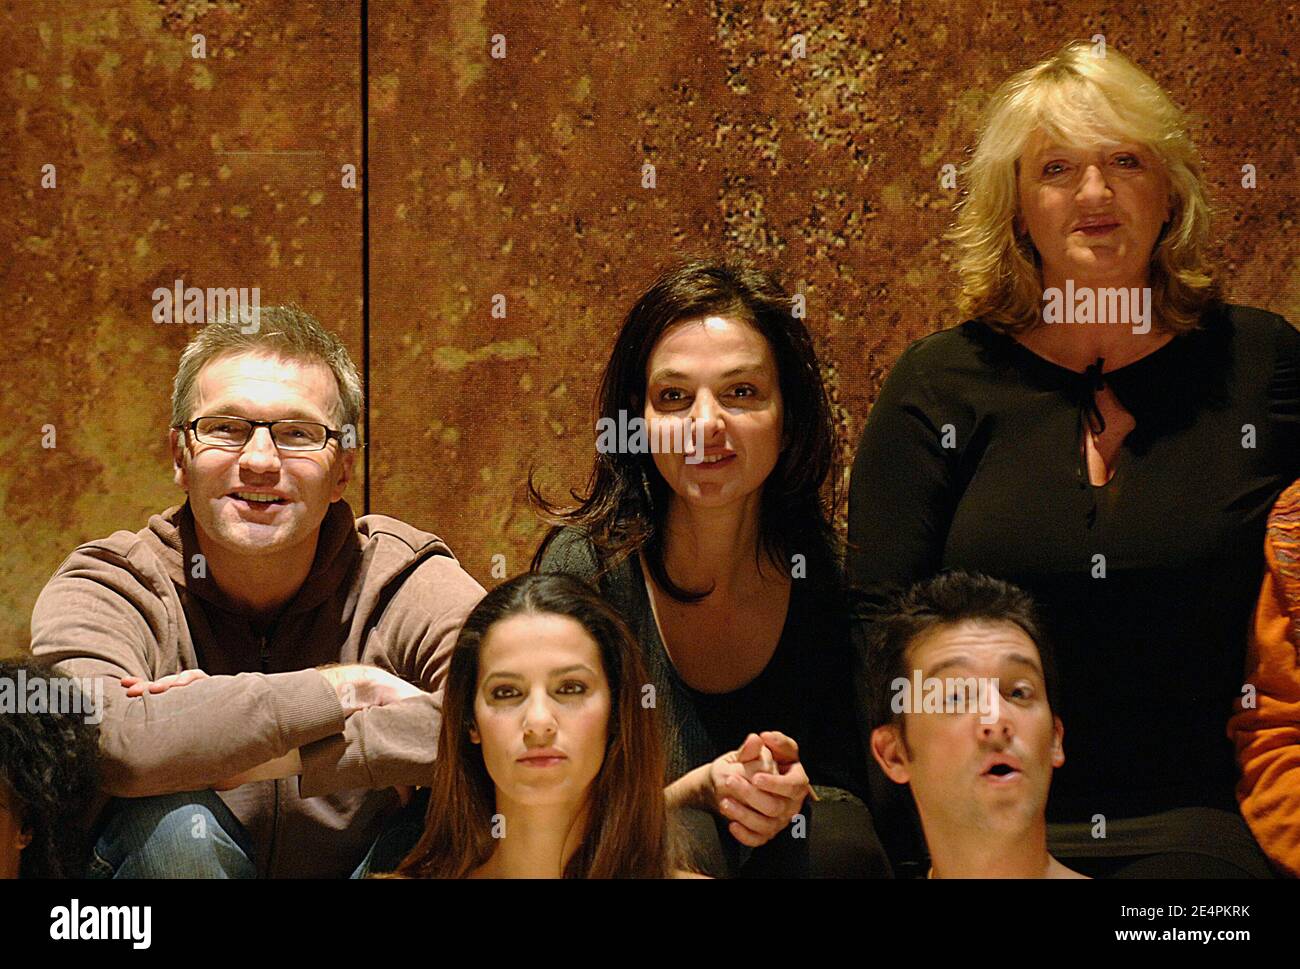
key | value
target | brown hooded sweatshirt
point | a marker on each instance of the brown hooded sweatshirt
(141, 604)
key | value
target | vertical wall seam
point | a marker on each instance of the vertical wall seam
(365, 251)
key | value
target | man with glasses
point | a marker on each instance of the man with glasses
(272, 666)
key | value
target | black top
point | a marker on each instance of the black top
(805, 691)
(1151, 656)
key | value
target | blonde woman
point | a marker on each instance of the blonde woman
(1107, 433)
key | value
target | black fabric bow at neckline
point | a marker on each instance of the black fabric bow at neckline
(1088, 385)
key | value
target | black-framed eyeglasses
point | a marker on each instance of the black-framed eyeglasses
(235, 432)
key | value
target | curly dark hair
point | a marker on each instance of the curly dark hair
(48, 764)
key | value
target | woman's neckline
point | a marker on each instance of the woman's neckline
(1145, 359)
(644, 574)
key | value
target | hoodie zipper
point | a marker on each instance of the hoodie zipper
(265, 653)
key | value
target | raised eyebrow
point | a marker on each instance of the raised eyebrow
(947, 664)
(1018, 659)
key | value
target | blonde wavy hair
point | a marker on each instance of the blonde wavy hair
(1078, 97)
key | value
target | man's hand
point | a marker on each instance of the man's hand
(759, 787)
(138, 685)
(359, 686)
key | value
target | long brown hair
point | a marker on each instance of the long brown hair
(627, 825)
(625, 507)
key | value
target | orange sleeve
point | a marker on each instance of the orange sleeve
(1267, 737)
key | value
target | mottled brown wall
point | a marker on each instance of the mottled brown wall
(222, 172)
(519, 176)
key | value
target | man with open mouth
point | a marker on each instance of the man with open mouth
(979, 772)
(271, 665)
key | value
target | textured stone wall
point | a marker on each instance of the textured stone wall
(522, 176)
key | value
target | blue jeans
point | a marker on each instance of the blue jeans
(194, 835)
(188, 835)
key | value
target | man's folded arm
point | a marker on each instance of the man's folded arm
(395, 744)
(184, 739)
(379, 747)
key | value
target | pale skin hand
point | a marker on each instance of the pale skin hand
(758, 787)
(357, 686)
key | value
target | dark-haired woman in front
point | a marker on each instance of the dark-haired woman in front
(548, 765)
(727, 569)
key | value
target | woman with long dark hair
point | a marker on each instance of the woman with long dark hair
(707, 522)
(548, 763)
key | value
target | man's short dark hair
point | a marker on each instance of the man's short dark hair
(947, 599)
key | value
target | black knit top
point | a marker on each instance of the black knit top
(972, 458)
(805, 691)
